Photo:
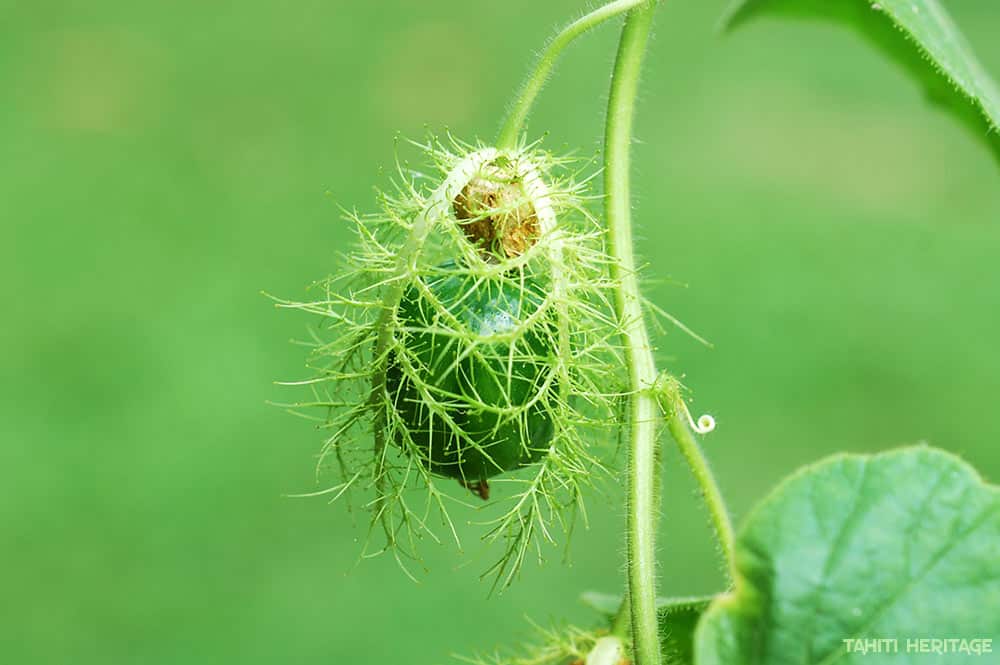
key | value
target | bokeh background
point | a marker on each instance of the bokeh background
(161, 163)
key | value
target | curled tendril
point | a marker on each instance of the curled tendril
(669, 392)
(704, 424)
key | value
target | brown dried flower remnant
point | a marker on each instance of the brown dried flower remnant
(496, 213)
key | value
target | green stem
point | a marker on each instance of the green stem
(673, 405)
(511, 129)
(644, 409)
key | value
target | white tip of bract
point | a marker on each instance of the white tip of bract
(539, 193)
(608, 650)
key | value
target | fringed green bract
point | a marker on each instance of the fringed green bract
(443, 357)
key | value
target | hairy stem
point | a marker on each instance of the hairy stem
(673, 406)
(644, 409)
(511, 129)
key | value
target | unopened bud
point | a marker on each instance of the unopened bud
(496, 213)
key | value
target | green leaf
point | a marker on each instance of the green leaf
(902, 545)
(922, 38)
(602, 603)
(677, 620)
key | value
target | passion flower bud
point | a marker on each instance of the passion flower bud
(470, 334)
(496, 212)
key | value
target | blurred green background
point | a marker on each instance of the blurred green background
(163, 162)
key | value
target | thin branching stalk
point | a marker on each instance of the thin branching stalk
(677, 422)
(709, 489)
(644, 409)
(519, 110)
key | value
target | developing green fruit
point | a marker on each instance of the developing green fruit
(473, 400)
